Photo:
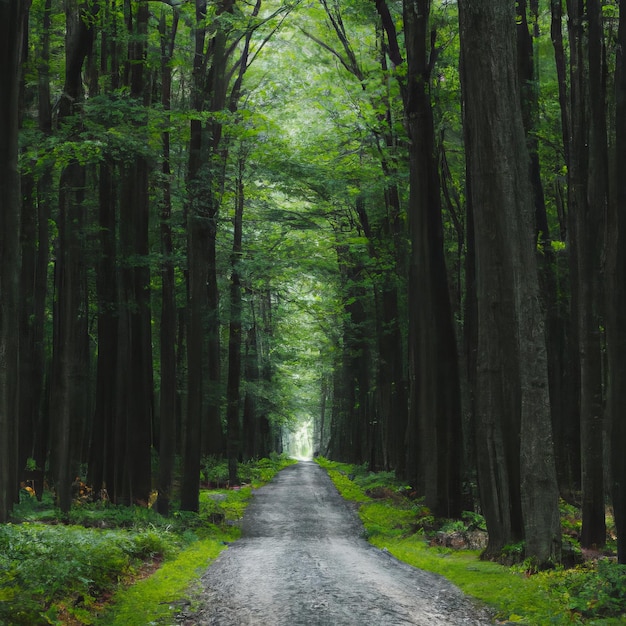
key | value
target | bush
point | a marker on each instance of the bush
(594, 592)
(42, 566)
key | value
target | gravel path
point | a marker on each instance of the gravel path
(302, 561)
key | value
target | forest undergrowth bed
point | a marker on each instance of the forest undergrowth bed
(591, 591)
(110, 565)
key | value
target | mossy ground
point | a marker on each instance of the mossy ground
(114, 565)
(594, 593)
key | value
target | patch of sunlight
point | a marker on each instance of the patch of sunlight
(299, 443)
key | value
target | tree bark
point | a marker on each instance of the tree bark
(587, 202)
(11, 40)
(616, 303)
(233, 426)
(434, 404)
(70, 364)
(135, 357)
(512, 388)
(36, 210)
(167, 404)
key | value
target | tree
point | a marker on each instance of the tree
(616, 304)
(70, 361)
(516, 469)
(588, 189)
(167, 416)
(35, 234)
(12, 29)
(435, 404)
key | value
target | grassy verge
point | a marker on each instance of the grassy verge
(594, 593)
(113, 565)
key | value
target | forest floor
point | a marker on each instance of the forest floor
(303, 560)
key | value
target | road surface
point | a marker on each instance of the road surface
(302, 561)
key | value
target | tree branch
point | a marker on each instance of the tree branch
(390, 29)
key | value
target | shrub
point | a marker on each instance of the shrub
(594, 592)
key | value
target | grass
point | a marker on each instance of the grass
(589, 594)
(111, 565)
(155, 600)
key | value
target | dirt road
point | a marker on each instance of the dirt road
(302, 561)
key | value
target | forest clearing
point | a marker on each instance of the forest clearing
(385, 234)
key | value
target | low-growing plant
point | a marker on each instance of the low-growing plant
(42, 566)
(56, 569)
(593, 591)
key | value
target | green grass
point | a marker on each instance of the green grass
(114, 565)
(586, 595)
(156, 599)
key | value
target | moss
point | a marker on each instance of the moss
(394, 526)
(156, 599)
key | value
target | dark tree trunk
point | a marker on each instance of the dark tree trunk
(250, 423)
(588, 197)
(11, 34)
(198, 237)
(434, 458)
(70, 363)
(167, 416)
(104, 447)
(135, 356)
(36, 210)
(616, 303)
(512, 380)
(556, 322)
(233, 405)
(567, 428)
(102, 454)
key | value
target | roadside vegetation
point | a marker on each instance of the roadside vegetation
(110, 565)
(591, 590)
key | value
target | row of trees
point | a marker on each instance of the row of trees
(402, 218)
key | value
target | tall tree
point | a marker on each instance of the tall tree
(435, 404)
(616, 302)
(134, 353)
(167, 404)
(12, 27)
(512, 404)
(233, 405)
(37, 199)
(70, 362)
(587, 184)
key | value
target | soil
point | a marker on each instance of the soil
(302, 561)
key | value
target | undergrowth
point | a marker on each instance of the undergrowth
(111, 565)
(592, 593)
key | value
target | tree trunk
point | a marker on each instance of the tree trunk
(512, 387)
(616, 303)
(233, 427)
(11, 34)
(36, 210)
(588, 197)
(167, 416)
(567, 428)
(70, 363)
(435, 407)
(135, 358)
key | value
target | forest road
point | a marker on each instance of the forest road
(302, 561)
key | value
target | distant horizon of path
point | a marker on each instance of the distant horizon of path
(302, 560)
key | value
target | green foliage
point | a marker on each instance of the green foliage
(593, 591)
(343, 479)
(43, 566)
(51, 573)
(156, 598)
(214, 470)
